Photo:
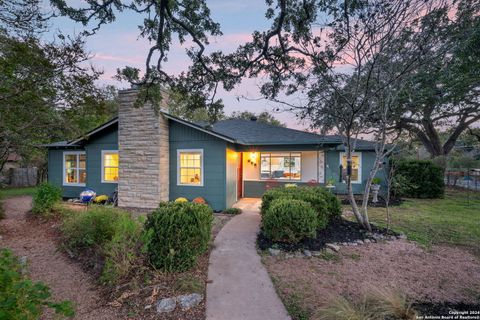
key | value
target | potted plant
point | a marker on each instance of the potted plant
(330, 185)
(375, 188)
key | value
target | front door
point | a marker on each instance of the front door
(240, 176)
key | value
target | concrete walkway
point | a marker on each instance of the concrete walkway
(240, 287)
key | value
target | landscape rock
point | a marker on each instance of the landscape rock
(189, 300)
(359, 241)
(289, 256)
(332, 246)
(274, 252)
(166, 305)
(367, 241)
(307, 253)
(402, 236)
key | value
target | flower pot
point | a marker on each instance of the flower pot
(375, 189)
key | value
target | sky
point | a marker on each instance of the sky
(117, 45)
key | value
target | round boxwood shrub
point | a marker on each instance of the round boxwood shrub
(325, 204)
(45, 198)
(289, 220)
(176, 234)
(420, 179)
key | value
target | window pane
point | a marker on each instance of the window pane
(71, 176)
(83, 176)
(281, 165)
(295, 167)
(110, 174)
(82, 161)
(110, 159)
(355, 167)
(190, 167)
(70, 161)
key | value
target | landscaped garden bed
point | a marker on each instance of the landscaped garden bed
(105, 248)
(339, 231)
(436, 271)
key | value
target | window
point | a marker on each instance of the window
(356, 166)
(74, 168)
(109, 166)
(190, 167)
(281, 165)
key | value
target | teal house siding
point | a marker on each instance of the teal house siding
(333, 171)
(104, 140)
(214, 165)
(55, 173)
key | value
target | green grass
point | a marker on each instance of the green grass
(16, 192)
(453, 220)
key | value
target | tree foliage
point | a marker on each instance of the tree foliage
(443, 93)
(47, 89)
(262, 117)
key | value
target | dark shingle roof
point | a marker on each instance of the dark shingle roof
(246, 132)
(257, 133)
(59, 144)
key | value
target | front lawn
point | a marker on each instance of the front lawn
(16, 192)
(454, 220)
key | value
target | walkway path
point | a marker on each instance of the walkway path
(240, 287)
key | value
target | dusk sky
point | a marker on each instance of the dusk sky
(117, 45)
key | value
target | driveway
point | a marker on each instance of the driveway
(239, 286)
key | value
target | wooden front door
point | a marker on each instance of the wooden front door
(240, 176)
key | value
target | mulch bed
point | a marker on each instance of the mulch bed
(445, 308)
(380, 204)
(337, 231)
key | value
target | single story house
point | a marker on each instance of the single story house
(154, 156)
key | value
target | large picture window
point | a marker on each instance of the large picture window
(109, 166)
(356, 166)
(190, 167)
(285, 165)
(74, 168)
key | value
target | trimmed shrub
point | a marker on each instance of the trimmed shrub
(112, 233)
(232, 211)
(289, 220)
(420, 179)
(176, 234)
(45, 197)
(21, 298)
(325, 204)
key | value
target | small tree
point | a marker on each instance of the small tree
(353, 82)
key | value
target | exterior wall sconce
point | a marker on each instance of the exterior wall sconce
(252, 159)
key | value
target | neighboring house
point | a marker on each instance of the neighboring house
(153, 157)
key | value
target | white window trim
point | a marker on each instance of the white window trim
(103, 167)
(64, 180)
(359, 155)
(281, 179)
(201, 168)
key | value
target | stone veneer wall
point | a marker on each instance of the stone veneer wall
(143, 152)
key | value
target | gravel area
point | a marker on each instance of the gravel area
(36, 240)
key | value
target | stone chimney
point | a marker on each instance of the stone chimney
(143, 154)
